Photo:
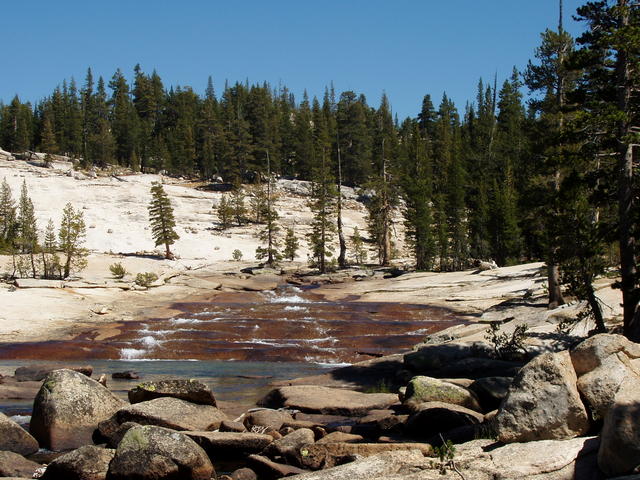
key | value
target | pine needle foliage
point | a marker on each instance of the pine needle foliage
(162, 220)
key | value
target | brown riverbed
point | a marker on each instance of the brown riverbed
(286, 325)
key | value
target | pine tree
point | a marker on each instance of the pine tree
(238, 207)
(357, 244)
(322, 204)
(50, 260)
(551, 79)
(610, 57)
(71, 237)
(417, 191)
(8, 224)
(162, 219)
(268, 235)
(225, 213)
(291, 245)
(27, 227)
(258, 202)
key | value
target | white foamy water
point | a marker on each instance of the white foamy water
(327, 364)
(131, 353)
(150, 341)
(295, 308)
(271, 342)
(21, 419)
(289, 299)
(182, 321)
(320, 340)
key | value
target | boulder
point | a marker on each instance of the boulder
(435, 357)
(490, 391)
(14, 438)
(190, 390)
(599, 386)
(68, 408)
(326, 400)
(15, 465)
(478, 460)
(172, 413)
(327, 455)
(269, 470)
(266, 418)
(150, 452)
(543, 402)
(288, 446)
(340, 437)
(423, 389)
(603, 362)
(85, 463)
(4, 155)
(36, 373)
(111, 432)
(231, 426)
(619, 452)
(10, 388)
(475, 367)
(230, 443)
(591, 353)
(432, 418)
(128, 375)
(243, 474)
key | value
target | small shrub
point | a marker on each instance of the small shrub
(145, 279)
(117, 270)
(505, 346)
(237, 255)
(446, 454)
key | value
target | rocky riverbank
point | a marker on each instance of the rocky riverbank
(566, 409)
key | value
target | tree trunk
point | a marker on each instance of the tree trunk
(595, 307)
(342, 257)
(555, 292)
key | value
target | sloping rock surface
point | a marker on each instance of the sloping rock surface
(328, 401)
(172, 413)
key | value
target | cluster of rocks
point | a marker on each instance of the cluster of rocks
(562, 415)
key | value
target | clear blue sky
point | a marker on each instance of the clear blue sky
(406, 48)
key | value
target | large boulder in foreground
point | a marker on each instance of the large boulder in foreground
(190, 390)
(68, 408)
(172, 413)
(14, 438)
(326, 400)
(85, 463)
(426, 389)
(543, 402)
(154, 453)
(15, 465)
(620, 437)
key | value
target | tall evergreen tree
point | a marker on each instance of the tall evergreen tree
(27, 227)
(71, 237)
(323, 206)
(162, 220)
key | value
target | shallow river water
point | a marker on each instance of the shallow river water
(240, 342)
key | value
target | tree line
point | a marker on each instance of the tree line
(553, 178)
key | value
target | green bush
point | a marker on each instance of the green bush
(237, 255)
(145, 279)
(117, 270)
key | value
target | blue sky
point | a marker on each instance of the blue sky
(406, 48)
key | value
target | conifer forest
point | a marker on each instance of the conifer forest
(540, 165)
